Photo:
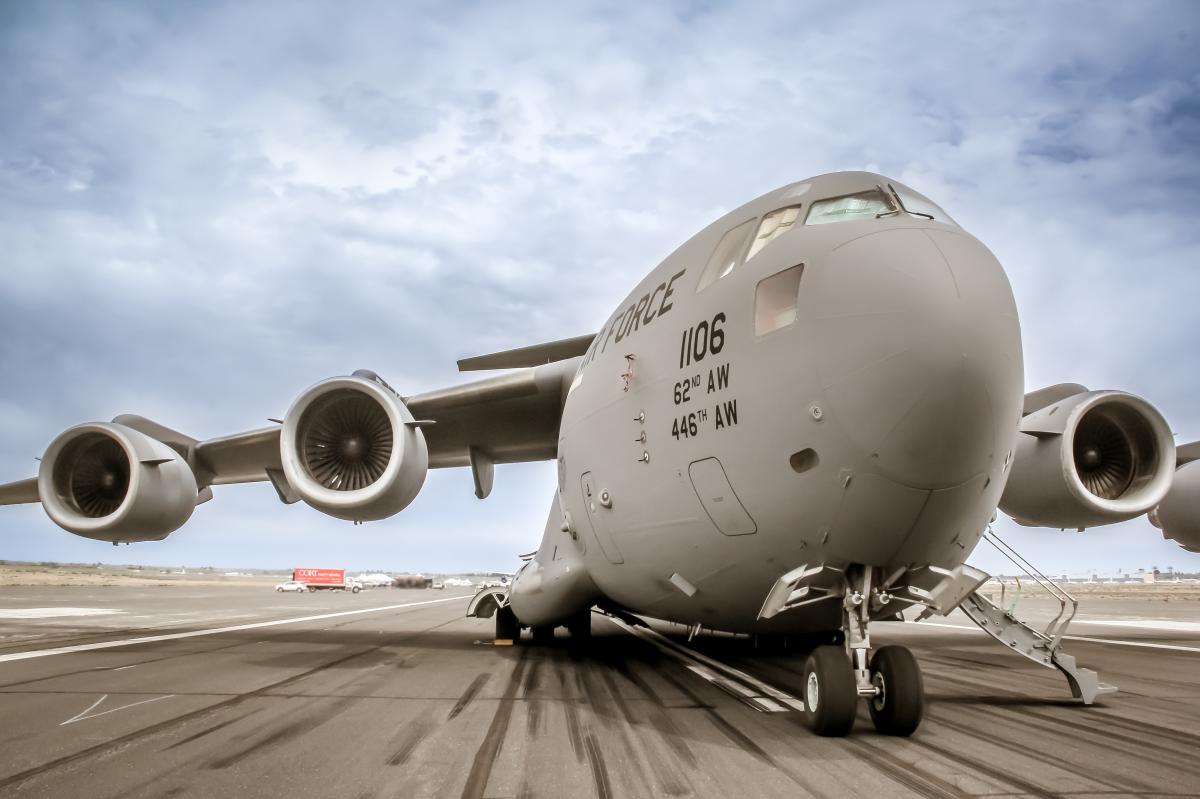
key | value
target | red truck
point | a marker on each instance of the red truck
(325, 579)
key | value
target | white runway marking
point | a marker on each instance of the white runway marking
(1114, 641)
(751, 690)
(54, 613)
(62, 650)
(1147, 624)
(83, 716)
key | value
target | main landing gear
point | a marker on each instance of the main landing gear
(508, 628)
(836, 677)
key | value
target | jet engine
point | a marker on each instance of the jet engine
(1094, 458)
(1178, 516)
(350, 449)
(112, 483)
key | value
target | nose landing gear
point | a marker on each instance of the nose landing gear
(899, 701)
(889, 680)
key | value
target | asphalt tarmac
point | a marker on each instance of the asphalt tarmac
(242, 692)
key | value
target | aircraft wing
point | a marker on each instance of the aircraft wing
(529, 356)
(19, 492)
(346, 443)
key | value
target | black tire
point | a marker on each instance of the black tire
(830, 696)
(543, 634)
(900, 703)
(507, 626)
(311, 590)
(280, 590)
(580, 626)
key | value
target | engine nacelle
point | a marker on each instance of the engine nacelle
(1178, 515)
(349, 451)
(112, 483)
(1094, 458)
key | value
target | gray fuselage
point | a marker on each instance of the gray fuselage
(860, 408)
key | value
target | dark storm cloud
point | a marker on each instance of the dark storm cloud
(205, 208)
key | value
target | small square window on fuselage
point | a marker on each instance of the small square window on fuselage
(775, 300)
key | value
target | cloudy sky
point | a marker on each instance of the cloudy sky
(206, 207)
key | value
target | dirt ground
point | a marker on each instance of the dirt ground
(36, 574)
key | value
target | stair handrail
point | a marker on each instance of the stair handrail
(1058, 625)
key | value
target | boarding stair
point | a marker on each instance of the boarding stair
(1041, 646)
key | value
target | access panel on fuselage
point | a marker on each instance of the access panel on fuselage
(720, 501)
(598, 504)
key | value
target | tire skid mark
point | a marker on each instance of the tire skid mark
(291, 730)
(120, 742)
(533, 704)
(592, 697)
(533, 676)
(533, 717)
(1166, 738)
(1116, 743)
(573, 728)
(600, 776)
(571, 712)
(469, 694)
(897, 770)
(1004, 777)
(414, 734)
(1093, 773)
(596, 701)
(210, 730)
(669, 774)
(739, 738)
(658, 716)
(489, 748)
(1180, 742)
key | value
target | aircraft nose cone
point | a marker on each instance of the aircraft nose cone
(920, 354)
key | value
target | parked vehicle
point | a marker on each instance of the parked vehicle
(438, 584)
(291, 585)
(325, 580)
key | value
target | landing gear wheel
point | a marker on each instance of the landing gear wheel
(898, 706)
(580, 626)
(508, 629)
(543, 635)
(830, 696)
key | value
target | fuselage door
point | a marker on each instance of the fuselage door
(599, 505)
(719, 501)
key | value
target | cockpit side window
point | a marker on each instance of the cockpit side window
(773, 225)
(864, 205)
(726, 256)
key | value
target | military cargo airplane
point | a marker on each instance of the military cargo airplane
(802, 421)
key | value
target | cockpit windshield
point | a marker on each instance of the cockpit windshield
(919, 207)
(864, 205)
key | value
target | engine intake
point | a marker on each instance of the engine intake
(348, 451)
(111, 483)
(1178, 516)
(1093, 458)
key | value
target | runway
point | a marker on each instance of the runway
(242, 692)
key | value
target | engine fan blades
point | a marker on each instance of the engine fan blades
(1104, 456)
(98, 477)
(346, 440)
